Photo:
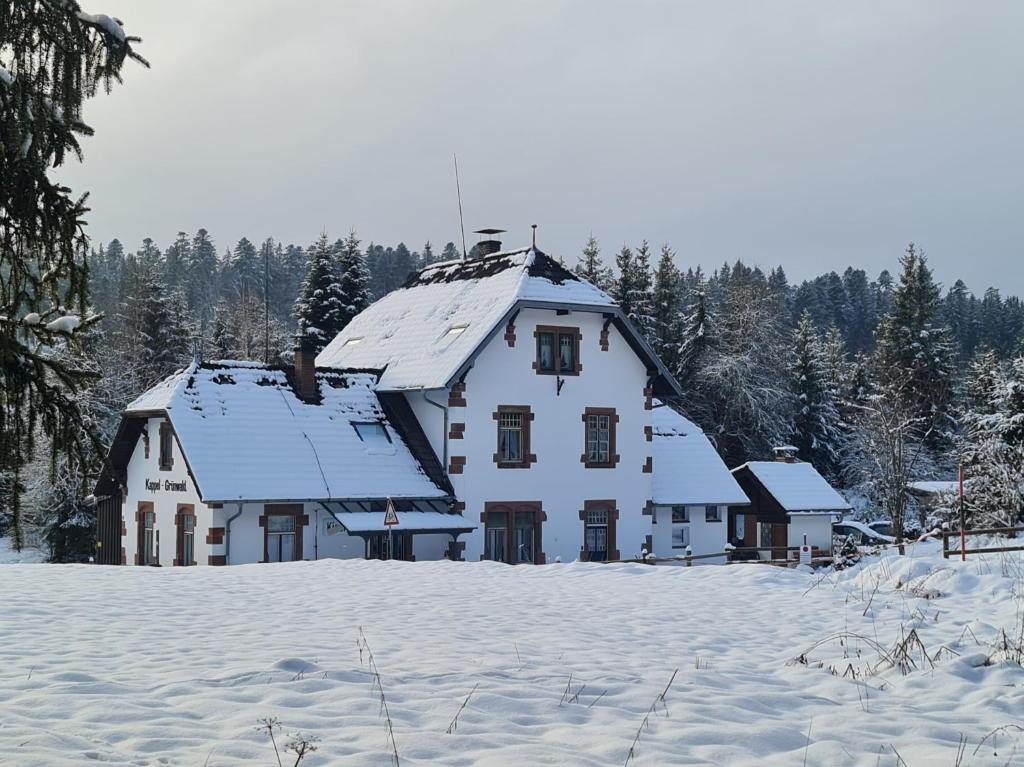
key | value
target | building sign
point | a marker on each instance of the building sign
(167, 485)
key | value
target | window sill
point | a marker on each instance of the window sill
(557, 373)
(166, 468)
(517, 465)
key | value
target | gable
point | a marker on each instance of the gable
(425, 334)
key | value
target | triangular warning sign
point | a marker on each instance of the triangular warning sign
(390, 515)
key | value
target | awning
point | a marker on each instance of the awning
(413, 521)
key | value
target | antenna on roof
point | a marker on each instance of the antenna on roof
(458, 191)
(534, 227)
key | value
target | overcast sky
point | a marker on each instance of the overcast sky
(813, 134)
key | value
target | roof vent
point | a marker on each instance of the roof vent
(491, 244)
(785, 453)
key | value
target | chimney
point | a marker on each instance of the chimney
(785, 453)
(305, 371)
(490, 245)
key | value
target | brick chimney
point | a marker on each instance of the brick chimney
(491, 244)
(785, 453)
(305, 371)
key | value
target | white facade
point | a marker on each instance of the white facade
(702, 531)
(817, 528)
(558, 479)
(149, 484)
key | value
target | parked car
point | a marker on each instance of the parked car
(884, 527)
(860, 533)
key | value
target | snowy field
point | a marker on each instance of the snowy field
(133, 666)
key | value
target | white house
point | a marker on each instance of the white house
(507, 405)
(692, 488)
(789, 500)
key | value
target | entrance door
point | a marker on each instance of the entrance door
(108, 531)
(780, 539)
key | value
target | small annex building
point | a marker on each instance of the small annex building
(789, 499)
(693, 489)
(236, 462)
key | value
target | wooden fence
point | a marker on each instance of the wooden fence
(731, 557)
(1010, 532)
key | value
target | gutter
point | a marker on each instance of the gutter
(444, 436)
(227, 533)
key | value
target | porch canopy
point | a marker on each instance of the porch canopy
(421, 516)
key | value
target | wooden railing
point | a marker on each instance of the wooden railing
(1010, 532)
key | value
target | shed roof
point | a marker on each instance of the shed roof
(246, 436)
(796, 486)
(687, 468)
(422, 334)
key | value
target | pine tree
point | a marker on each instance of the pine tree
(591, 267)
(667, 320)
(698, 336)
(623, 288)
(816, 431)
(450, 252)
(54, 58)
(643, 299)
(321, 304)
(914, 357)
(354, 281)
(201, 280)
(163, 330)
(245, 271)
(991, 445)
(177, 258)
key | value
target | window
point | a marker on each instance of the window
(373, 434)
(558, 350)
(712, 514)
(680, 527)
(741, 527)
(524, 536)
(512, 532)
(510, 437)
(497, 536)
(513, 437)
(185, 522)
(599, 438)
(146, 520)
(280, 537)
(353, 342)
(166, 447)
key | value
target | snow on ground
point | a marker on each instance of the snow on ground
(134, 666)
(28, 555)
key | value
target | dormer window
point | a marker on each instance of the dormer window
(558, 351)
(373, 434)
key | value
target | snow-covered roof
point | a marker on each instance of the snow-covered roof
(421, 334)
(247, 436)
(687, 468)
(373, 521)
(796, 486)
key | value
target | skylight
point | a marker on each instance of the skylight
(353, 342)
(373, 434)
(455, 330)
